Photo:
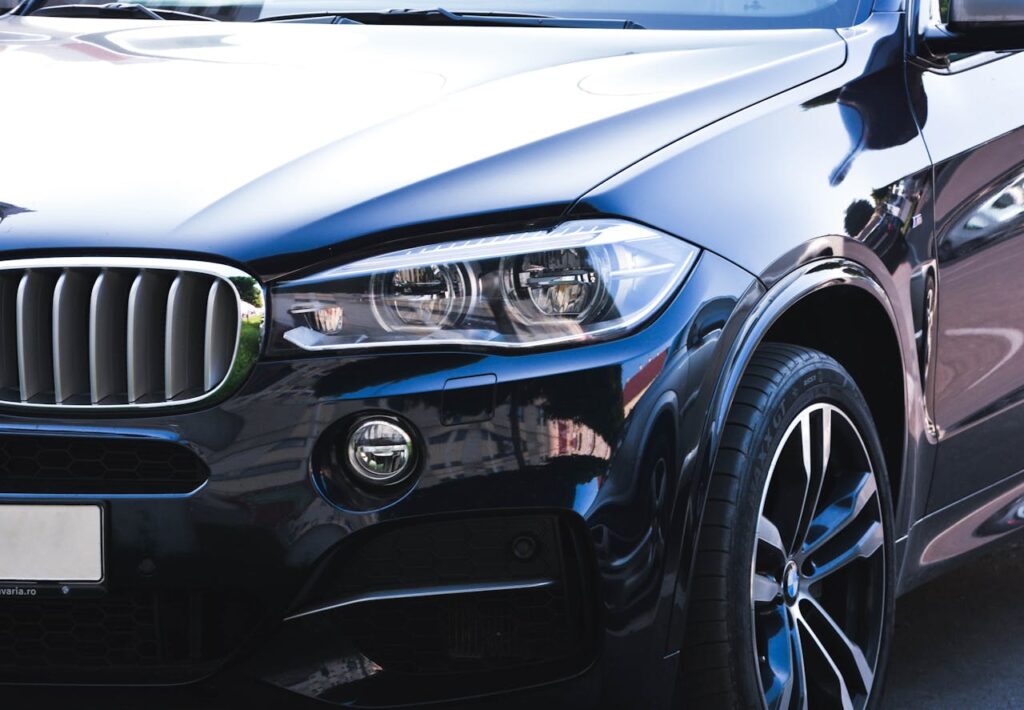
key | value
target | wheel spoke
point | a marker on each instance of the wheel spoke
(867, 544)
(842, 689)
(836, 517)
(766, 590)
(768, 533)
(845, 653)
(779, 657)
(806, 443)
(816, 443)
(826, 438)
(800, 668)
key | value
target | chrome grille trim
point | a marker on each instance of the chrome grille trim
(220, 311)
(111, 333)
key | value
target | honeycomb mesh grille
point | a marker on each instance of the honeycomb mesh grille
(94, 633)
(50, 464)
(116, 332)
(121, 636)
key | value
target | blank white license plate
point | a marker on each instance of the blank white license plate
(51, 543)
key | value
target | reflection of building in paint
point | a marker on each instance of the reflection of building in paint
(523, 436)
(639, 383)
(545, 437)
(569, 438)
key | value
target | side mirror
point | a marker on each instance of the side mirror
(979, 26)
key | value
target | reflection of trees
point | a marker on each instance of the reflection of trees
(858, 215)
(249, 347)
(248, 291)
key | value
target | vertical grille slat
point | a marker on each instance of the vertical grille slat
(9, 386)
(71, 336)
(35, 335)
(222, 320)
(108, 337)
(147, 313)
(186, 327)
(120, 332)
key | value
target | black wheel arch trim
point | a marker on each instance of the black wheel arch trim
(751, 322)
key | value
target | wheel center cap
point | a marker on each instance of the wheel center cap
(790, 582)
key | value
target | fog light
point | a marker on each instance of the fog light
(380, 451)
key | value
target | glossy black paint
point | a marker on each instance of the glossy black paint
(846, 175)
(979, 382)
(853, 168)
(422, 106)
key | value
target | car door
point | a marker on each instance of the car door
(973, 124)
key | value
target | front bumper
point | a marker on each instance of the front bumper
(554, 448)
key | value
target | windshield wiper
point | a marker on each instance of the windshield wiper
(129, 10)
(440, 16)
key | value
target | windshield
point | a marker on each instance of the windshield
(651, 14)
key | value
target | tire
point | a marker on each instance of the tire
(777, 588)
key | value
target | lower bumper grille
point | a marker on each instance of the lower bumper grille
(86, 633)
(161, 637)
(71, 464)
(440, 608)
(467, 634)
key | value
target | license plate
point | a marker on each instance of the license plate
(51, 543)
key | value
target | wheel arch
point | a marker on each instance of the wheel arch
(817, 286)
(817, 295)
(864, 342)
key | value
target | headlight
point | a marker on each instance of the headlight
(581, 281)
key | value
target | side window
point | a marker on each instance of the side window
(944, 10)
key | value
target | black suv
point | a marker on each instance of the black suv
(622, 354)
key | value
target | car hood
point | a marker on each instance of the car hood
(274, 145)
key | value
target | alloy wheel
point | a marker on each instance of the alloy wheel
(818, 568)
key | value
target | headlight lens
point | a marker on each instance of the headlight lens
(422, 299)
(580, 281)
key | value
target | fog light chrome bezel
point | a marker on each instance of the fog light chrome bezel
(364, 474)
